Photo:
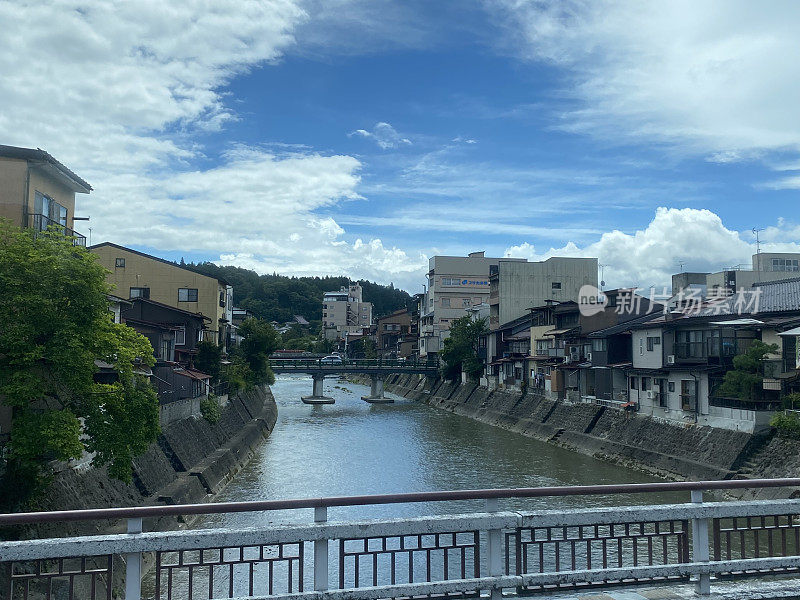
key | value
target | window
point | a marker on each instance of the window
(119, 263)
(466, 303)
(556, 285)
(645, 384)
(187, 294)
(445, 302)
(221, 298)
(652, 342)
(599, 345)
(180, 336)
(785, 264)
(634, 383)
(671, 386)
(140, 292)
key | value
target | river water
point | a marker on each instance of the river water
(354, 448)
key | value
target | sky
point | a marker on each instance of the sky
(361, 137)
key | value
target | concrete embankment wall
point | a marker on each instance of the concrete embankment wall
(676, 451)
(191, 460)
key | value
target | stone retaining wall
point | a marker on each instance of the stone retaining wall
(677, 451)
(190, 460)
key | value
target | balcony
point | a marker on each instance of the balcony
(42, 223)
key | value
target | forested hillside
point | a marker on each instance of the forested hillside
(279, 298)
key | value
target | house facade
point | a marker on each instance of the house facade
(393, 335)
(345, 312)
(455, 284)
(37, 191)
(135, 274)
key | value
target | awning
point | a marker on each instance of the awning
(738, 322)
(521, 336)
(559, 331)
(792, 332)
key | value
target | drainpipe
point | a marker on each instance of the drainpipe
(26, 199)
(696, 396)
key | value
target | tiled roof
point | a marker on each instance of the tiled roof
(764, 297)
(55, 168)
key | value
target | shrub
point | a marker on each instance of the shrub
(787, 424)
(209, 408)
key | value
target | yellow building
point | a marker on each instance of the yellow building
(138, 275)
(37, 191)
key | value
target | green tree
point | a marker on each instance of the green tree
(363, 348)
(250, 361)
(745, 380)
(460, 350)
(208, 358)
(54, 324)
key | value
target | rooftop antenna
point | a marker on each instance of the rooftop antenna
(680, 264)
(758, 252)
(90, 236)
(602, 279)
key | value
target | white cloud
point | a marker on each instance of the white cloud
(384, 135)
(118, 91)
(717, 77)
(651, 255)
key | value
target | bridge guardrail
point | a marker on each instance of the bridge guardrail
(465, 553)
(300, 364)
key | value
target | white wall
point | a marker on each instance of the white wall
(642, 357)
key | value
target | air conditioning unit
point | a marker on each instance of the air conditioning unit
(671, 359)
(651, 395)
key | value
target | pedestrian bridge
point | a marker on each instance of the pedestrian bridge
(490, 550)
(376, 368)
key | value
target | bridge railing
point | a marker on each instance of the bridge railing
(488, 551)
(382, 363)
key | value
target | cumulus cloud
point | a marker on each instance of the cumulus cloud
(716, 78)
(384, 135)
(649, 256)
(119, 91)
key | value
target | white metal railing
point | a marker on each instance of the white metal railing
(488, 551)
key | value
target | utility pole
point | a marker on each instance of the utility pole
(758, 253)
(602, 278)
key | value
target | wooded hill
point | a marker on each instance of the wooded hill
(278, 297)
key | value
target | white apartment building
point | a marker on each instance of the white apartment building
(345, 312)
(455, 285)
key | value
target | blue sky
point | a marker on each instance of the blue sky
(361, 138)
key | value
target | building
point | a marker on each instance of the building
(393, 335)
(37, 191)
(515, 286)
(455, 285)
(680, 358)
(765, 267)
(173, 332)
(345, 312)
(138, 275)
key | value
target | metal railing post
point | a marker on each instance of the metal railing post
(494, 550)
(133, 566)
(700, 552)
(321, 553)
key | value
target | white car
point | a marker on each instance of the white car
(331, 360)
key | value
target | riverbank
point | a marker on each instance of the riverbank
(664, 449)
(191, 461)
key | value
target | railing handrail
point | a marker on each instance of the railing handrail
(376, 499)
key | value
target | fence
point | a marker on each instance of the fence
(490, 551)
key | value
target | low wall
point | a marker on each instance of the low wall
(180, 409)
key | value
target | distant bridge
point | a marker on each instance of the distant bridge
(376, 368)
(487, 551)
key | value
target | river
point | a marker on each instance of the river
(353, 448)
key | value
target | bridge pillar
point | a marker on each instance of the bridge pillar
(376, 391)
(318, 396)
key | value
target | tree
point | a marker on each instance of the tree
(250, 361)
(208, 358)
(54, 324)
(460, 350)
(362, 348)
(745, 381)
